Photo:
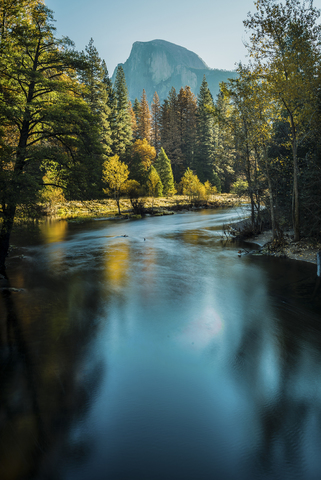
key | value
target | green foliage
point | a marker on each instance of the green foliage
(164, 169)
(143, 119)
(121, 119)
(142, 155)
(135, 192)
(154, 184)
(156, 123)
(205, 134)
(170, 132)
(216, 182)
(191, 186)
(285, 41)
(115, 174)
(240, 187)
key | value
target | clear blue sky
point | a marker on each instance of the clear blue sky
(211, 28)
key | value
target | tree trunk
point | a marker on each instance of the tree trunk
(8, 219)
(272, 208)
(296, 209)
(295, 203)
(249, 181)
(267, 173)
(118, 205)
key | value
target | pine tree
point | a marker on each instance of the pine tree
(121, 124)
(144, 119)
(106, 80)
(164, 169)
(170, 132)
(106, 114)
(156, 123)
(136, 110)
(92, 77)
(95, 78)
(205, 134)
(187, 109)
(225, 152)
(133, 119)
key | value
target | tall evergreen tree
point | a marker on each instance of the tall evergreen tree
(144, 119)
(95, 78)
(187, 109)
(224, 140)
(106, 110)
(156, 123)
(136, 110)
(164, 169)
(205, 134)
(170, 132)
(133, 119)
(121, 125)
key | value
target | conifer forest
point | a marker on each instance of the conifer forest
(64, 127)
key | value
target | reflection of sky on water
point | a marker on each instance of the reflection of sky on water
(202, 331)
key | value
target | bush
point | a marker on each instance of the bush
(240, 188)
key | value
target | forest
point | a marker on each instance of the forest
(67, 131)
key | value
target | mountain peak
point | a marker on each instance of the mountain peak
(181, 55)
(158, 65)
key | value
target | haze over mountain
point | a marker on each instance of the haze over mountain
(159, 65)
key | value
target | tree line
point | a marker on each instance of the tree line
(64, 127)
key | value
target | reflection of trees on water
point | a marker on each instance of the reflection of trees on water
(45, 381)
(281, 370)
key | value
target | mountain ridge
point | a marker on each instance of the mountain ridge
(158, 65)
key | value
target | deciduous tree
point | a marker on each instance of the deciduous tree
(154, 184)
(115, 174)
(284, 46)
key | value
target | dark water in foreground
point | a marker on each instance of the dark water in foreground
(169, 358)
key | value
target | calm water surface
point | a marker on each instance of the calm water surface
(161, 355)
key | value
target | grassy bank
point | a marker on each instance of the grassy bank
(82, 210)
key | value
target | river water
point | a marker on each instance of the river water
(149, 350)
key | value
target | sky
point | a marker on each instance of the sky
(213, 29)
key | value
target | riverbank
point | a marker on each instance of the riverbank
(305, 250)
(95, 209)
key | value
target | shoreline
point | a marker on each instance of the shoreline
(100, 209)
(80, 211)
(304, 251)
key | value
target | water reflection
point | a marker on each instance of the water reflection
(117, 264)
(54, 231)
(45, 384)
(170, 358)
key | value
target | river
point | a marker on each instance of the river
(149, 350)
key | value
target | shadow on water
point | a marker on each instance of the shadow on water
(45, 385)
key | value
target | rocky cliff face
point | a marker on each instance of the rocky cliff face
(159, 65)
